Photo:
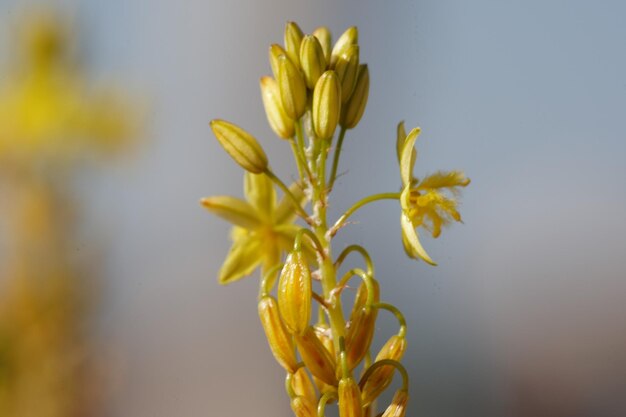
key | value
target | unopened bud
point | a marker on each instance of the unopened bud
(312, 60)
(280, 123)
(302, 408)
(347, 68)
(295, 293)
(292, 88)
(279, 340)
(381, 377)
(293, 40)
(326, 105)
(355, 106)
(303, 387)
(349, 398)
(240, 145)
(397, 408)
(359, 336)
(349, 37)
(323, 35)
(275, 51)
(360, 299)
(323, 333)
(316, 357)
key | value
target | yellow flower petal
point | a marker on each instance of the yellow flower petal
(407, 157)
(442, 179)
(260, 193)
(412, 241)
(285, 211)
(244, 256)
(232, 209)
(400, 139)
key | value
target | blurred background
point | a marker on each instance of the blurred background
(525, 314)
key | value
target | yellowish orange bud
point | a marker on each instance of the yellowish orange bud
(292, 88)
(312, 60)
(382, 376)
(280, 123)
(275, 51)
(316, 357)
(324, 335)
(355, 106)
(360, 299)
(326, 105)
(240, 145)
(397, 408)
(303, 387)
(347, 68)
(279, 340)
(359, 336)
(302, 408)
(295, 293)
(349, 37)
(349, 398)
(323, 35)
(293, 40)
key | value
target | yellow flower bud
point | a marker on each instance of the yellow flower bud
(360, 299)
(279, 340)
(302, 408)
(382, 376)
(324, 335)
(347, 68)
(240, 145)
(293, 40)
(349, 399)
(355, 106)
(316, 357)
(323, 35)
(275, 51)
(359, 336)
(280, 123)
(312, 60)
(303, 387)
(292, 88)
(397, 408)
(326, 105)
(349, 37)
(295, 293)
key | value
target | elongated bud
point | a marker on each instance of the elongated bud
(292, 88)
(326, 105)
(279, 340)
(382, 376)
(349, 398)
(315, 356)
(360, 299)
(293, 40)
(323, 333)
(347, 68)
(349, 37)
(397, 408)
(355, 106)
(303, 387)
(312, 60)
(295, 293)
(275, 51)
(360, 331)
(323, 35)
(240, 145)
(280, 123)
(302, 408)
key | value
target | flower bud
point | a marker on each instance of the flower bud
(352, 111)
(280, 123)
(315, 356)
(275, 51)
(360, 299)
(302, 408)
(293, 40)
(240, 145)
(382, 376)
(326, 105)
(312, 60)
(397, 408)
(361, 328)
(279, 340)
(292, 88)
(349, 399)
(295, 293)
(322, 331)
(323, 35)
(349, 37)
(347, 68)
(303, 387)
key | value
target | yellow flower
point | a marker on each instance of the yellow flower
(430, 203)
(264, 228)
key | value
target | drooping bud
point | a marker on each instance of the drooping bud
(292, 88)
(355, 106)
(360, 299)
(359, 335)
(295, 293)
(293, 40)
(326, 105)
(397, 408)
(303, 387)
(347, 68)
(280, 123)
(302, 408)
(312, 60)
(275, 51)
(381, 377)
(316, 357)
(349, 398)
(240, 145)
(349, 37)
(323, 35)
(279, 340)
(323, 333)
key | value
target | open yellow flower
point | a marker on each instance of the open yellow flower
(430, 203)
(263, 228)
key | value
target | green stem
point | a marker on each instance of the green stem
(297, 245)
(384, 362)
(394, 310)
(269, 276)
(370, 199)
(321, 406)
(298, 157)
(300, 146)
(356, 248)
(287, 192)
(333, 172)
(367, 280)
